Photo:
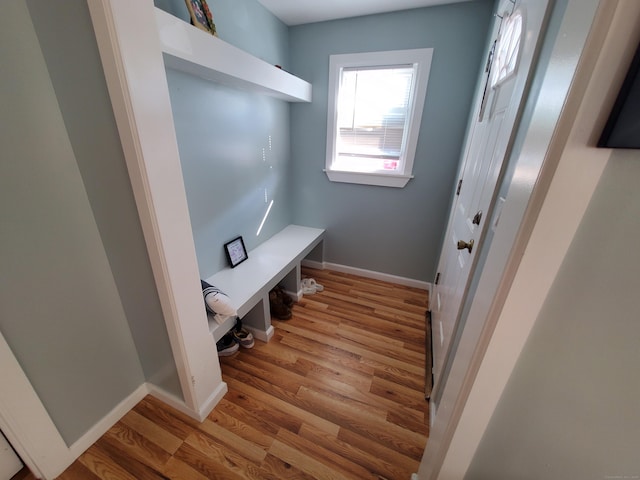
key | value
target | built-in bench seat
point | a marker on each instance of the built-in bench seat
(274, 262)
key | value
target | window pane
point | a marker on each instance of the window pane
(372, 114)
(374, 108)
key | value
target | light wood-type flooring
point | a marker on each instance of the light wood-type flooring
(338, 393)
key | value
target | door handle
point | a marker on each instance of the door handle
(462, 245)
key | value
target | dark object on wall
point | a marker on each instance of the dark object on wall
(236, 252)
(623, 127)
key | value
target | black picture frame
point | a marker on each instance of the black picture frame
(235, 251)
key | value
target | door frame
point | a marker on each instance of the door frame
(26, 423)
(482, 93)
(587, 64)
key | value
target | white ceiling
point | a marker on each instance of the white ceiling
(297, 12)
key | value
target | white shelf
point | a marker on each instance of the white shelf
(196, 52)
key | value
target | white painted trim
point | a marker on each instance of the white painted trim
(210, 403)
(108, 421)
(260, 335)
(551, 218)
(10, 463)
(29, 428)
(385, 277)
(420, 60)
(376, 179)
(557, 219)
(130, 50)
(178, 404)
(297, 295)
(26, 423)
(433, 411)
(171, 400)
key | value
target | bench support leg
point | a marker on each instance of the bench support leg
(258, 320)
(291, 283)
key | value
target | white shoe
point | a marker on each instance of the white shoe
(310, 286)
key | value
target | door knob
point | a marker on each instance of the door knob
(462, 245)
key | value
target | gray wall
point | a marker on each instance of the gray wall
(222, 134)
(570, 409)
(234, 145)
(60, 309)
(86, 109)
(390, 230)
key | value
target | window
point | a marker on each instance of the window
(374, 112)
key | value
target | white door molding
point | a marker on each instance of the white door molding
(585, 62)
(26, 423)
(10, 463)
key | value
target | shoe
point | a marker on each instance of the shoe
(277, 307)
(286, 298)
(227, 345)
(310, 286)
(244, 337)
(307, 287)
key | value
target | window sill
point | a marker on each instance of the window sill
(376, 179)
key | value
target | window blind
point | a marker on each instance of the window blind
(373, 108)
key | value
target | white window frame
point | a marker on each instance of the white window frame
(420, 59)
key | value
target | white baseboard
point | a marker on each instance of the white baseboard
(260, 335)
(295, 295)
(179, 404)
(312, 264)
(385, 277)
(432, 412)
(120, 410)
(212, 401)
(110, 419)
(169, 398)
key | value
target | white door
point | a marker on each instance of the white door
(517, 28)
(10, 463)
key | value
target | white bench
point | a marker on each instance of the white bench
(276, 261)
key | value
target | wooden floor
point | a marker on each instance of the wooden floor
(338, 393)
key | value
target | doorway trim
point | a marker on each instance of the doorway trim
(586, 58)
(26, 423)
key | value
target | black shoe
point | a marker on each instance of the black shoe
(227, 345)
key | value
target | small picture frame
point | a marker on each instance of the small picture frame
(201, 16)
(235, 251)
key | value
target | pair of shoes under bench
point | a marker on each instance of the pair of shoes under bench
(243, 337)
(277, 306)
(227, 345)
(232, 341)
